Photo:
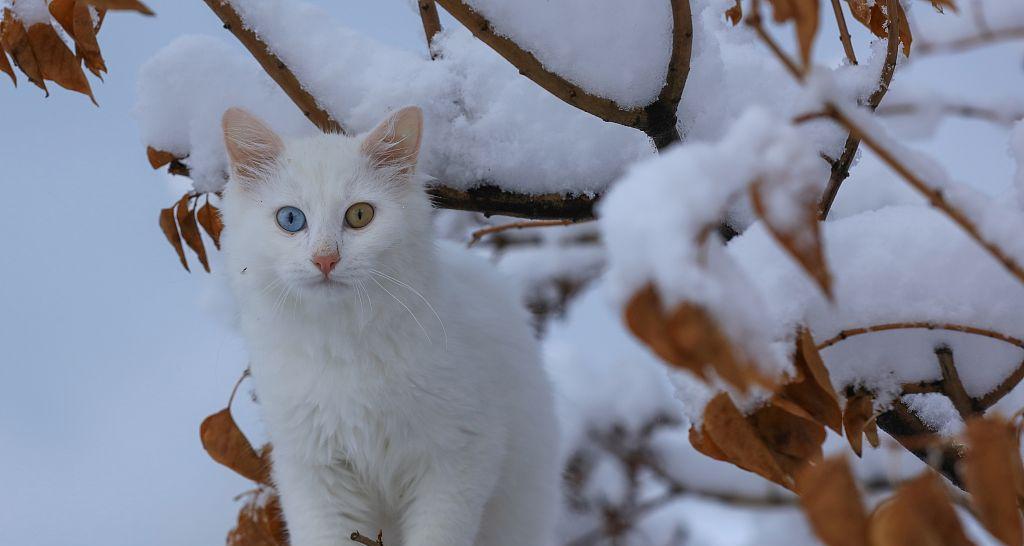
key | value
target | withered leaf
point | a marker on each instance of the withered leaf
(738, 441)
(704, 444)
(85, 40)
(5, 66)
(735, 13)
(990, 475)
(832, 503)
(940, 5)
(209, 218)
(190, 230)
(919, 514)
(15, 40)
(158, 158)
(170, 229)
(858, 412)
(803, 242)
(872, 14)
(56, 62)
(700, 343)
(793, 440)
(804, 14)
(62, 11)
(260, 522)
(125, 5)
(227, 445)
(813, 391)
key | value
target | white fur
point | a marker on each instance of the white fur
(426, 415)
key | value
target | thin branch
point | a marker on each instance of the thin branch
(844, 32)
(274, 67)
(431, 24)
(1002, 389)
(490, 199)
(970, 42)
(934, 195)
(483, 232)
(755, 22)
(961, 110)
(356, 536)
(661, 114)
(920, 325)
(841, 167)
(952, 386)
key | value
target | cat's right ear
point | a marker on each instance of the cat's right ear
(252, 146)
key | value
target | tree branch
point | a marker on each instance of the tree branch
(356, 536)
(657, 120)
(908, 429)
(952, 386)
(841, 167)
(483, 232)
(431, 23)
(921, 325)
(844, 32)
(274, 67)
(987, 37)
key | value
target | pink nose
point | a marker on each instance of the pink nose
(326, 262)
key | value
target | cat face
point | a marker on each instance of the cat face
(322, 215)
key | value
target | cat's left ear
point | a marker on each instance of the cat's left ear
(252, 145)
(395, 143)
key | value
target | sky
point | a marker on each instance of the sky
(109, 359)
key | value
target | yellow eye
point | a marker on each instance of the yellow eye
(359, 215)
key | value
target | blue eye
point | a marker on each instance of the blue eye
(291, 219)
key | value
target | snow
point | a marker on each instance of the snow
(31, 12)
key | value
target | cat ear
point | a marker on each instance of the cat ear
(252, 146)
(396, 141)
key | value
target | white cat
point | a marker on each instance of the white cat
(398, 378)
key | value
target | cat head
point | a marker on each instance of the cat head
(323, 213)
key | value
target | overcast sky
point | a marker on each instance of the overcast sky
(108, 362)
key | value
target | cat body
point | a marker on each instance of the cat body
(398, 379)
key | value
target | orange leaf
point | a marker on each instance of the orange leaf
(125, 5)
(190, 230)
(704, 444)
(260, 522)
(209, 218)
(62, 11)
(832, 502)
(15, 40)
(738, 441)
(85, 39)
(226, 444)
(803, 242)
(56, 62)
(813, 390)
(859, 411)
(990, 476)
(700, 343)
(919, 514)
(5, 66)
(735, 13)
(170, 229)
(873, 16)
(793, 440)
(158, 158)
(804, 14)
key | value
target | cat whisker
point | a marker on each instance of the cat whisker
(444, 331)
(400, 302)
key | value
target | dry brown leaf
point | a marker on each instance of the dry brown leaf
(86, 45)
(701, 343)
(802, 243)
(812, 391)
(14, 39)
(919, 514)
(209, 218)
(804, 14)
(988, 470)
(871, 431)
(62, 11)
(158, 158)
(793, 440)
(646, 318)
(738, 441)
(832, 503)
(735, 13)
(940, 5)
(126, 5)
(5, 66)
(226, 444)
(260, 522)
(858, 412)
(170, 229)
(704, 444)
(190, 230)
(872, 14)
(56, 62)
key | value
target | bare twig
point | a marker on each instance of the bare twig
(844, 32)
(920, 325)
(755, 22)
(658, 119)
(961, 110)
(841, 167)
(274, 67)
(483, 232)
(966, 43)
(952, 386)
(934, 195)
(431, 23)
